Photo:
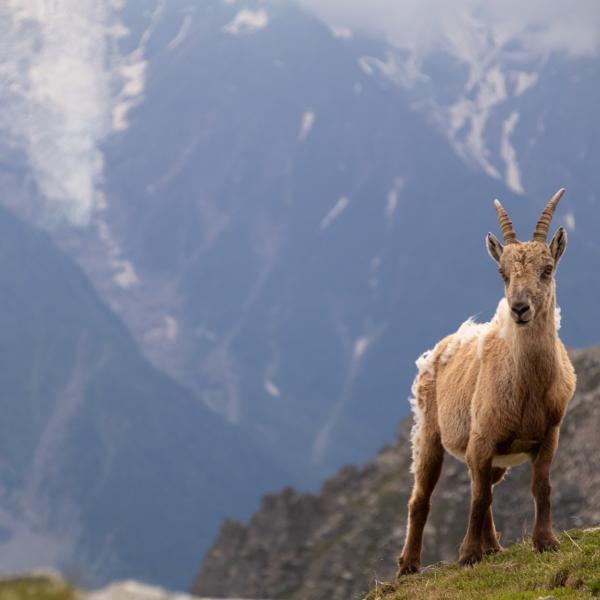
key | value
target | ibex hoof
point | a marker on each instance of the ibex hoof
(547, 543)
(408, 566)
(493, 549)
(470, 556)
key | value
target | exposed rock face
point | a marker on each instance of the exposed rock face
(334, 545)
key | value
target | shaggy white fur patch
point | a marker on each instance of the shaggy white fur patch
(468, 331)
(426, 363)
(414, 404)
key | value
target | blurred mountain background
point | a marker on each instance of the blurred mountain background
(228, 229)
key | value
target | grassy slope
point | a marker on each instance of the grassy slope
(516, 573)
(35, 588)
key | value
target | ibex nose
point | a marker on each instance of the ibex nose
(520, 305)
(520, 308)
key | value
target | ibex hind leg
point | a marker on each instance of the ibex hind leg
(428, 456)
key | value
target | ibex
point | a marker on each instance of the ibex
(494, 395)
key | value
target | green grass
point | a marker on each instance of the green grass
(35, 588)
(517, 573)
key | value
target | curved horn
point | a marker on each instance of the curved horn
(541, 229)
(510, 237)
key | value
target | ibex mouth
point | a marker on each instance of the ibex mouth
(521, 322)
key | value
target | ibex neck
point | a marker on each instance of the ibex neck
(534, 348)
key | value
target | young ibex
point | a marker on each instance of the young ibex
(494, 395)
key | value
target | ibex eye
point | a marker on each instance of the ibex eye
(547, 271)
(503, 275)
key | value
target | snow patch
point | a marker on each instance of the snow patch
(509, 155)
(178, 165)
(334, 213)
(247, 21)
(365, 64)
(132, 71)
(342, 33)
(570, 221)
(171, 328)
(272, 389)
(360, 347)
(124, 273)
(392, 199)
(406, 73)
(524, 81)
(125, 276)
(473, 115)
(182, 33)
(168, 330)
(306, 125)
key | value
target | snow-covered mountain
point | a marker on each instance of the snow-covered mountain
(284, 208)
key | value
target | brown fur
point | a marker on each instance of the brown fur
(492, 401)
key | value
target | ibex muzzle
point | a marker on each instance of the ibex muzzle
(520, 307)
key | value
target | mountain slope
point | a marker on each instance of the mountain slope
(107, 466)
(334, 545)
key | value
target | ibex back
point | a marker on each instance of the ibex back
(494, 395)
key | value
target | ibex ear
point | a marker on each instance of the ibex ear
(494, 247)
(558, 243)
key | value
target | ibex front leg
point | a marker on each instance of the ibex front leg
(479, 459)
(543, 536)
(491, 544)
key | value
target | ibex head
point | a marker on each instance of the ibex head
(528, 268)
